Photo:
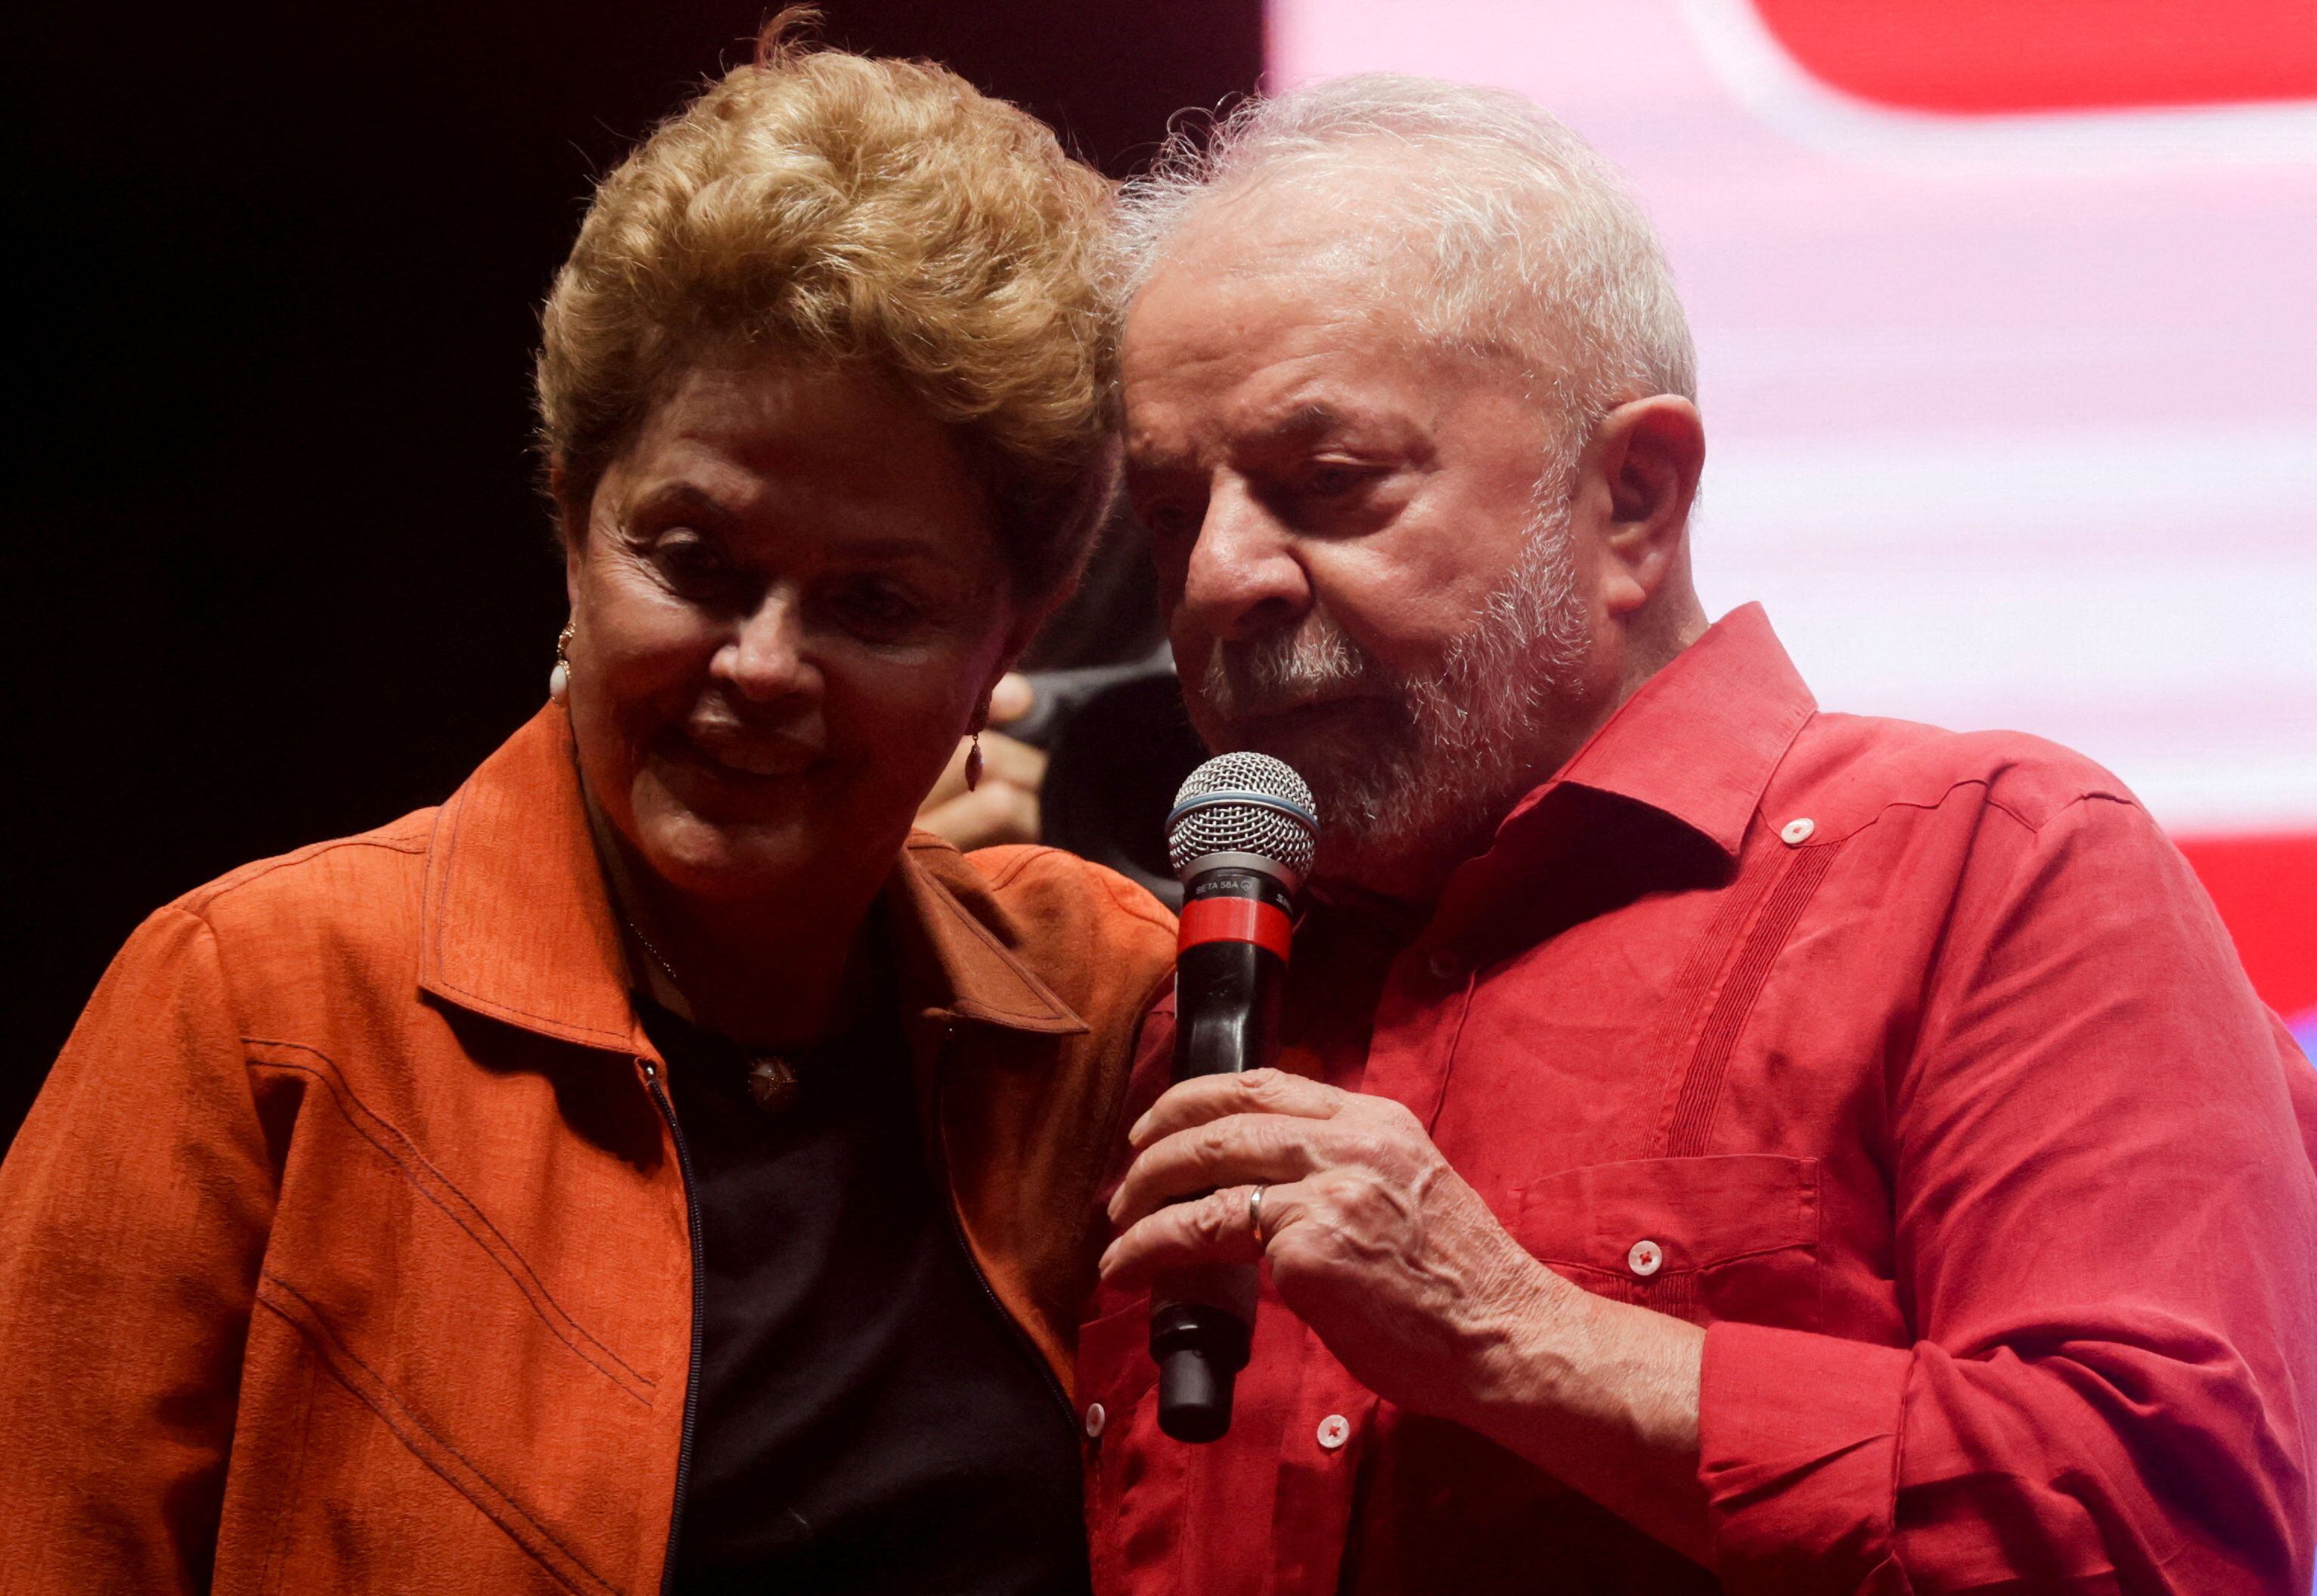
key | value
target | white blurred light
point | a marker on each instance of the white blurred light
(2012, 420)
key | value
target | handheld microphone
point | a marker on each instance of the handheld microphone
(1240, 838)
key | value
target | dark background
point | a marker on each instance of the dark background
(279, 569)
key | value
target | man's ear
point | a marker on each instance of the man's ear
(1649, 454)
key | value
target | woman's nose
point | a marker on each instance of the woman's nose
(766, 657)
(1242, 578)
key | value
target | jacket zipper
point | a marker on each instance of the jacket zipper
(699, 1304)
(972, 1264)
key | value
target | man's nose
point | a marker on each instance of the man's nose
(766, 657)
(1243, 578)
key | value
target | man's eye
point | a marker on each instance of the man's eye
(1169, 520)
(1332, 478)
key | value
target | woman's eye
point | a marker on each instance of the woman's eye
(691, 564)
(878, 608)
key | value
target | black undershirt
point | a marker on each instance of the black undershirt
(868, 1421)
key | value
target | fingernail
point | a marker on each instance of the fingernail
(1102, 1267)
(1134, 1135)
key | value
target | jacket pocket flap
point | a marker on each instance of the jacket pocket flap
(1694, 1212)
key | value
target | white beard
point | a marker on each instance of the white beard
(1463, 742)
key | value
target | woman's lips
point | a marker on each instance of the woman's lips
(739, 754)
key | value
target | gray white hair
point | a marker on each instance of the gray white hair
(1515, 236)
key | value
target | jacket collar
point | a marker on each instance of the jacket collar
(1700, 740)
(518, 925)
(955, 943)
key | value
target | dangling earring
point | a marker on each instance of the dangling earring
(973, 763)
(558, 680)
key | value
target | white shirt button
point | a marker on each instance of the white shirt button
(1446, 963)
(1795, 833)
(1645, 1258)
(1096, 1419)
(1335, 1430)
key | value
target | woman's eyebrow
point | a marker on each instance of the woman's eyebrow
(680, 494)
(892, 547)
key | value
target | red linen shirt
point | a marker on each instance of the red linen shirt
(1914, 1065)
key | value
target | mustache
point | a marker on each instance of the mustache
(1280, 671)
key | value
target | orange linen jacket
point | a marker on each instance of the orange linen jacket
(347, 1246)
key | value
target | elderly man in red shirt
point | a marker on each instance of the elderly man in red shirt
(1720, 1145)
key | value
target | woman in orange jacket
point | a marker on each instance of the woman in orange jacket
(654, 1168)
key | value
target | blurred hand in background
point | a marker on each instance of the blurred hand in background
(1004, 809)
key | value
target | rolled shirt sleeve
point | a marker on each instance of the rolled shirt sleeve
(2107, 1243)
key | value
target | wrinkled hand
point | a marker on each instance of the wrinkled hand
(1373, 1240)
(1004, 807)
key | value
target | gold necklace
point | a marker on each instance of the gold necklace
(771, 1079)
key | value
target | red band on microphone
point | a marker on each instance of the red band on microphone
(1233, 920)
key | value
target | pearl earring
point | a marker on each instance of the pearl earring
(558, 680)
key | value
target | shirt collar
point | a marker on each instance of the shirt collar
(518, 925)
(1699, 741)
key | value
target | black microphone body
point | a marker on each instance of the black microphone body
(1226, 1020)
(1242, 834)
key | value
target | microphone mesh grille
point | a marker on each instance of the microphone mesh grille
(1209, 818)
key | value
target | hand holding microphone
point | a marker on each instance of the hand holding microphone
(1240, 838)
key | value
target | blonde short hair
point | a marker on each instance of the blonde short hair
(826, 208)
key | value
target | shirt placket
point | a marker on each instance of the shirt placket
(1324, 1448)
(1320, 1453)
